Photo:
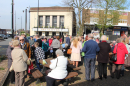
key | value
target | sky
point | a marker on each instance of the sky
(19, 6)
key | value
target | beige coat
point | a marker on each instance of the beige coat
(19, 58)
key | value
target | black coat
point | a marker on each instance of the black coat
(103, 55)
(40, 42)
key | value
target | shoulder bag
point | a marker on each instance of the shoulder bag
(114, 57)
(49, 70)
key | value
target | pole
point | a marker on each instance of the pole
(15, 23)
(25, 20)
(21, 22)
(29, 17)
(37, 17)
(12, 19)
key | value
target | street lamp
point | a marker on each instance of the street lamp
(12, 15)
(37, 17)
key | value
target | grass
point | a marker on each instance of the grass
(2, 58)
(1, 68)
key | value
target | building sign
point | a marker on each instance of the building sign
(51, 30)
(121, 28)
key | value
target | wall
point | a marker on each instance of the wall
(68, 18)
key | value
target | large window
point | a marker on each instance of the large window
(47, 21)
(61, 21)
(94, 20)
(40, 21)
(54, 21)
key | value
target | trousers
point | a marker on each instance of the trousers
(90, 62)
(19, 78)
(102, 69)
(50, 81)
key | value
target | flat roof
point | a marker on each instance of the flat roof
(52, 9)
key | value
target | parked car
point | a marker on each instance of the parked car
(1, 36)
(5, 37)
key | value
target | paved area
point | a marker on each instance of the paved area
(4, 45)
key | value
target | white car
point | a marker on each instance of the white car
(5, 37)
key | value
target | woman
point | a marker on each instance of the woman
(103, 57)
(126, 42)
(8, 53)
(39, 54)
(56, 45)
(19, 64)
(45, 47)
(119, 49)
(76, 47)
(58, 66)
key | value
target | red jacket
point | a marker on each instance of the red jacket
(50, 42)
(121, 51)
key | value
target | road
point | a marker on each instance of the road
(4, 45)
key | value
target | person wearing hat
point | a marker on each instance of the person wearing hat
(25, 46)
(59, 68)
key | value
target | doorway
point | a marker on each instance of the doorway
(40, 33)
(53, 33)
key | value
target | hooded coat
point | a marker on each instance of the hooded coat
(121, 51)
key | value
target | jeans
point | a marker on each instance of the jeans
(90, 62)
(38, 65)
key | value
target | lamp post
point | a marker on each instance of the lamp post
(38, 17)
(12, 21)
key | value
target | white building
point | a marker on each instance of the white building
(52, 21)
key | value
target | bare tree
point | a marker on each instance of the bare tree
(79, 5)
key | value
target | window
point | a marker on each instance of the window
(47, 21)
(94, 11)
(94, 20)
(40, 21)
(46, 33)
(61, 21)
(54, 21)
(0, 32)
(122, 21)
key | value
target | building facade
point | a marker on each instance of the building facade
(52, 21)
(93, 16)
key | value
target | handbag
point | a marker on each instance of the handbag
(29, 62)
(114, 57)
(49, 70)
(69, 51)
(127, 61)
(30, 67)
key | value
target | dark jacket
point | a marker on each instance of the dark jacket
(90, 48)
(68, 41)
(103, 55)
(40, 42)
(8, 53)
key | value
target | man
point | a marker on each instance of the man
(38, 40)
(25, 39)
(25, 46)
(67, 40)
(90, 48)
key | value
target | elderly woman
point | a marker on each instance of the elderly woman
(19, 58)
(8, 54)
(56, 45)
(119, 49)
(103, 57)
(58, 66)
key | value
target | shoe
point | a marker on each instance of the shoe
(86, 79)
(12, 82)
(100, 78)
(92, 80)
(38, 81)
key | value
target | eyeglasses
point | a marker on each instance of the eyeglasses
(21, 40)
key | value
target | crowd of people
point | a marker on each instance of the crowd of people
(21, 50)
